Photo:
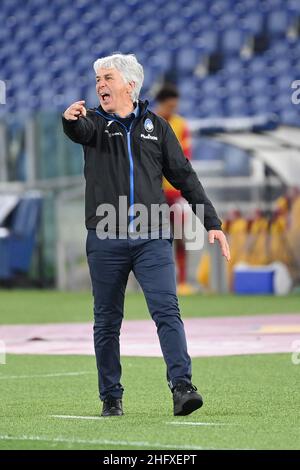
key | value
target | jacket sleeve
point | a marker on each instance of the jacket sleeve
(81, 131)
(179, 172)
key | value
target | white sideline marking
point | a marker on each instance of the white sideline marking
(59, 374)
(187, 423)
(100, 442)
(76, 417)
(168, 422)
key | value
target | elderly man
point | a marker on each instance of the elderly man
(127, 151)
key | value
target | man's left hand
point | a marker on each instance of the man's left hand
(219, 235)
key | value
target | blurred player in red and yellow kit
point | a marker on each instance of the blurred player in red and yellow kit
(167, 102)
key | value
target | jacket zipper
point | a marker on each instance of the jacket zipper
(131, 184)
(131, 170)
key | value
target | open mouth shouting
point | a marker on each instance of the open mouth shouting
(105, 98)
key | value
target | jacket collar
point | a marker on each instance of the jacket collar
(143, 105)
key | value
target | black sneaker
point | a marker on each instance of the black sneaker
(186, 399)
(112, 407)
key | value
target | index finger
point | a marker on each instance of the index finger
(76, 107)
(226, 250)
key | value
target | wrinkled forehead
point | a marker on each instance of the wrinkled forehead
(103, 72)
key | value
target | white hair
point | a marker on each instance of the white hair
(130, 69)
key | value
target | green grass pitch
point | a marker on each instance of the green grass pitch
(250, 401)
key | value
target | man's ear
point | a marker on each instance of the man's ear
(131, 87)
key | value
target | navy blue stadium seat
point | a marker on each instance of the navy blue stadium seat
(53, 45)
(252, 23)
(279, 22)
(233, 40)
(187, 59)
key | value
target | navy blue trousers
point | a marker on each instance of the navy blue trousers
(110, 262)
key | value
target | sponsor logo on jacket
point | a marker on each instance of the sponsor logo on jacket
(148, 136)
(112, 134)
